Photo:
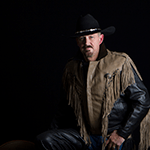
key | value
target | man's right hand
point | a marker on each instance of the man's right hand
(114, 141)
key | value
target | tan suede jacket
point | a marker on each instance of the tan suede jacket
(92, 102)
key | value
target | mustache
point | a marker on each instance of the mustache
(87, 46)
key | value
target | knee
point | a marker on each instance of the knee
(42, 141)
(67, 139)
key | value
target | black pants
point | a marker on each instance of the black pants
(60, 139)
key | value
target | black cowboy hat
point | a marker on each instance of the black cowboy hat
(88, 25)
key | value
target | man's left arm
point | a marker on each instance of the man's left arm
(138, 97)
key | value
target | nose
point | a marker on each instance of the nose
(87, 41)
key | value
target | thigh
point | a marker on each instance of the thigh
(96, 142)
(60, 139)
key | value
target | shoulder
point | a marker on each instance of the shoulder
(71, 62)
(119, 54)
(116, 57)
(71, 65)
(123, 60)
(115, 60)
(119, 57)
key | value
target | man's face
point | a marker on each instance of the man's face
(89, 45)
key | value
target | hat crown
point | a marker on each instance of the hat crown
(87, 22)
(89, 25)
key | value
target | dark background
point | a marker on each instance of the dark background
(36, 47)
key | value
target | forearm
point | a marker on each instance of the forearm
(134, 120)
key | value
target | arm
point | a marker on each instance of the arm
(137, 95)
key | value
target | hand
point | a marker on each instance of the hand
(114, 141)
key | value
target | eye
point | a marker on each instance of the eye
(81, 38)
(91, 37)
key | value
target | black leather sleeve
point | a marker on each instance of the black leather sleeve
(137, 95)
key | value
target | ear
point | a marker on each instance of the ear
(77, 41)
(101, 38)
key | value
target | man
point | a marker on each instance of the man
(104, 92)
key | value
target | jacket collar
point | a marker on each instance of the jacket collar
(103, 52)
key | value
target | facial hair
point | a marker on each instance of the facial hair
(86, 51)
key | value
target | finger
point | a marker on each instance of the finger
(118, 147)
(113, 146)
(110, 145)
(107, 142)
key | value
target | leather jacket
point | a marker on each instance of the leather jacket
(128, 111)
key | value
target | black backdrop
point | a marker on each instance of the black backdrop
(36, 48)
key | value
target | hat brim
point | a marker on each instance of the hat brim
(108, 31)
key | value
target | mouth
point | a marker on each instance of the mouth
(88, 49)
